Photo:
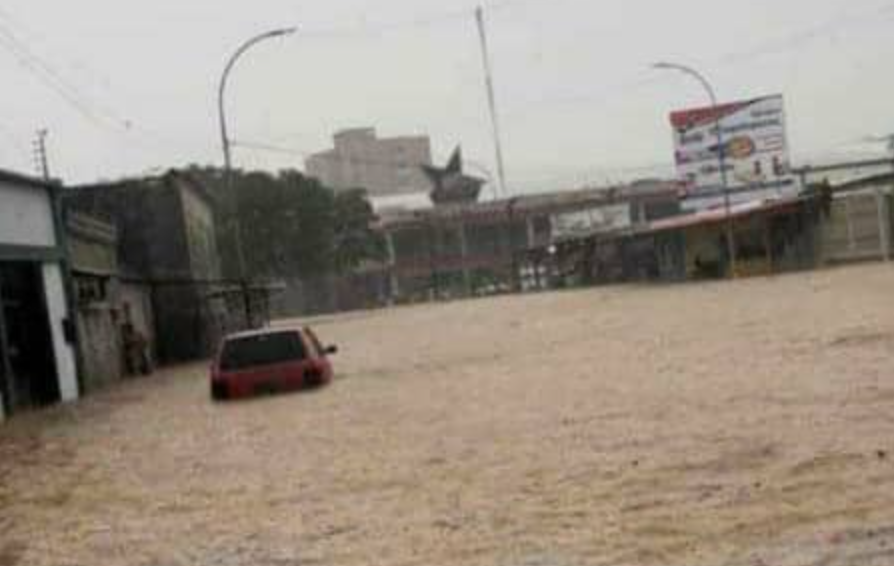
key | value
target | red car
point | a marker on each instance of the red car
(269, 360)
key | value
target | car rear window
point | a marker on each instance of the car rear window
(261, 350)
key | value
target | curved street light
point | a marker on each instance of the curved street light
(221, 91)
(721, 153)
(225, 142)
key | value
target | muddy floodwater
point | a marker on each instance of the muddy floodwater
(747, 423)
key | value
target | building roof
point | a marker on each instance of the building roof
(718, 215)
(704, 218)
(845, 165)
(534, 204)
(27, 180)
(882, 180)
(153, 181)
(386, 204)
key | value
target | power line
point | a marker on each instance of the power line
(580, 176)
(96, 114)
(44, 71)
(262, 146)
(23, 50)
(14, 142)
(75, 64)
(272, 148)
(102, 117)
(807, 35)
(363, 28)
(47, 79)
(777, 46)
(55, 81)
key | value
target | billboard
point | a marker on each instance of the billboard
(756, 149)
(605, 218)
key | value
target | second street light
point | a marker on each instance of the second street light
(228, 162)
(721, 155)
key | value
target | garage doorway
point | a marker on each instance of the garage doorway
(27, 369)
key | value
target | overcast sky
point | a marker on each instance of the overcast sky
(129, 85)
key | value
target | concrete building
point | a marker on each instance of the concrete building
(843, 172)
(859, 225)
(475, 248)
(92, 251)
(37, 357)
(382, 166)
(167, 247)
(774, 236)
(113, 313)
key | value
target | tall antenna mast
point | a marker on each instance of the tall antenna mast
(491, 98)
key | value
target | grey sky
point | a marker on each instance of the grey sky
(578, 102)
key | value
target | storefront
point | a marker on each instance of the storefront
(37, 355)
(769, 237)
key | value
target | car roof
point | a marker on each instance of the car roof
(262, 332)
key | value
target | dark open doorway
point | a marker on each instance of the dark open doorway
(27, 367)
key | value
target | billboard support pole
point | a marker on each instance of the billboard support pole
(721, 158)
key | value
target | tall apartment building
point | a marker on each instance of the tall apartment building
(382, 166)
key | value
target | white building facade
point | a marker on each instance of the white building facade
(382, 166)
(37, 354)
(844, 172)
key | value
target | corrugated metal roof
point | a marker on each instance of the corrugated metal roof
(546, 203)
(716, 215)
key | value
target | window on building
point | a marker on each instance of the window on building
(90, 289)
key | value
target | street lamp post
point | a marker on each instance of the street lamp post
(721, 156)
(228, 162)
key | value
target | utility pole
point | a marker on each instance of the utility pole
(498, 145)
(40, 154)
(491, 98)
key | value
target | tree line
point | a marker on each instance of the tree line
(292, 226)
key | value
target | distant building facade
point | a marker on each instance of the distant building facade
(859, 224)
(382, 166)
(38, 364)
(93, 253)
(843, 172)
(116, 333)
(167, 245)
(475, 248)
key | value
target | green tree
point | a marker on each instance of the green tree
(356, 240)
(291, 225)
